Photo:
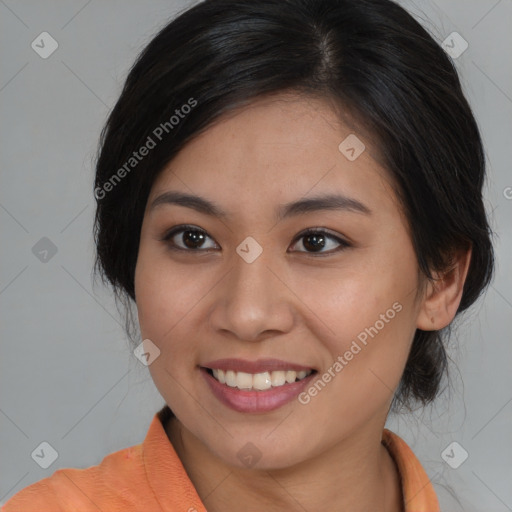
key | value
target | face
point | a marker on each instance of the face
(282, 325)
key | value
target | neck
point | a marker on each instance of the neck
(358, 475)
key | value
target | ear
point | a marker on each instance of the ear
(442, 297)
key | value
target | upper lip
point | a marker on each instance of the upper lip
(259, 366)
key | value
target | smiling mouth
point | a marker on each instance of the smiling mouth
(258, 381)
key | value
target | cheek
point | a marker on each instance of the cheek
(168, 295)
(164, 294)
(370, 334)
(359, 295)
(369, 311)
(364, 364)
(164, 297)
(151, 297)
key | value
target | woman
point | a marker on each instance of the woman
(290, 192)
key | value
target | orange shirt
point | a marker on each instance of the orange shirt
(149, 477)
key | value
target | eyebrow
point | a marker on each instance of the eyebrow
(300, 207)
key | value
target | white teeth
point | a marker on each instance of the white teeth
(278, 378)
(220, 376)
(243, 380)
(261, 381)
(231, 378)
(258, 381)
(290, 376)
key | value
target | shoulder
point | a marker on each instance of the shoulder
(114, 484)
(147, 476)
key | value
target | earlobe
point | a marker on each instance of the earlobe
(443, 295)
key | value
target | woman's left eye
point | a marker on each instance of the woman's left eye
(316, 239)
(192, 238)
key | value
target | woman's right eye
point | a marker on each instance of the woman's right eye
(187, 238)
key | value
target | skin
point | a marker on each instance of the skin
(288, 304)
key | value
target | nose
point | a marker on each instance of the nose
(253, 301)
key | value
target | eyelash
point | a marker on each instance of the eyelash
(167, 238)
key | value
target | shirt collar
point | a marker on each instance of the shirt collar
(417, 489)
(172, 486)
(166, 475)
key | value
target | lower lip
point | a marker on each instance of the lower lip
(255, 401)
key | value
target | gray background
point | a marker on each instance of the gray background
(68, 376)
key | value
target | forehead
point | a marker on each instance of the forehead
(275, 150)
